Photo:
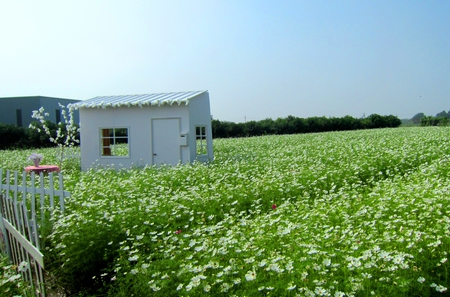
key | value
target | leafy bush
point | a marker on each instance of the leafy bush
(12, 137)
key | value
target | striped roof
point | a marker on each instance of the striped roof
(157, 99)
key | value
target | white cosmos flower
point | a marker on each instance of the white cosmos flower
(291, 286)
(250, 275)
(385, 256)
(440, 288)
(133, 258)
(326, 262)
(195, 281)
(321, 291)
(23, 266)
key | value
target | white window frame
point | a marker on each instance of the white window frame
(201, 138)
(105, 142)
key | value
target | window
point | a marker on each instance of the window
(19, 117)
(201, 144)
(114, 142)
(58, 115)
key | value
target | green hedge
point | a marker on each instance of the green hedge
(295, 125)
(14, 137)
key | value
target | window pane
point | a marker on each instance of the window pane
(114, 142)
(121, 132)
(201, 144)
(58, 115)
(121, 149)
(107, 133)
(201, 147)
(121, 140)
(19, 117)
(106, 141)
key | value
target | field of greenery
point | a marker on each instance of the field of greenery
(357, 213)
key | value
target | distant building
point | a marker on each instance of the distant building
(18, 110)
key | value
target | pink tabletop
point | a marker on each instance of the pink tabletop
(42, 168)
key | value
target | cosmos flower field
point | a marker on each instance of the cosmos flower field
(358, 213)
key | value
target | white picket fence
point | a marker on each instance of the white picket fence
(26, 202)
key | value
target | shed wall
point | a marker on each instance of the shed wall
(200, 114)
(139, 121)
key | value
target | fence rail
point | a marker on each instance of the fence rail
(24, 201)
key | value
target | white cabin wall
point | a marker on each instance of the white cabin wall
(138, 120)
(200, 114)
(89, 135)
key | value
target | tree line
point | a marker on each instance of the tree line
(441, 119)
(294, 125)
(14, 137)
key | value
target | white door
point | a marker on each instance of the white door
(166, 143)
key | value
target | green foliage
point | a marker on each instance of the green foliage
(89, 257)
(63, 134)
(441, 119)
(41, 133)
(417, 118)
(443, 114)
(294, 125)
(357, 213)
(37, 135)
(11, 281)
(12, 136)
(434, 121)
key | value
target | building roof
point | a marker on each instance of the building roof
(157, 99)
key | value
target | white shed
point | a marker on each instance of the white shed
(149, 129)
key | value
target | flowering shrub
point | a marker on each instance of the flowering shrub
(362, 213)
(63, 138)
(66, 134)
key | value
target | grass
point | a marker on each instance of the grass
(361, 213)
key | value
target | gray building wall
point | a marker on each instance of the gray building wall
(18, 110)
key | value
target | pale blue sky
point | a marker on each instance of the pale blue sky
(257, 59)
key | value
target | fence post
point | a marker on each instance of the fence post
(18, 221)
(4, 240)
